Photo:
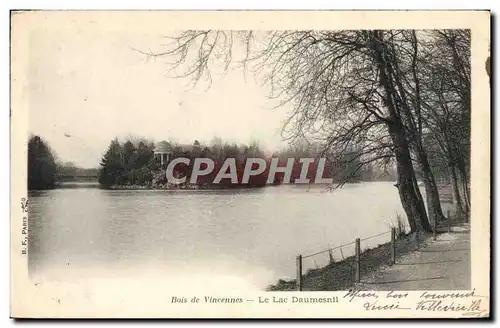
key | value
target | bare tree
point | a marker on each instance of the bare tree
(403, 51)
(349, 89)
(445, 71)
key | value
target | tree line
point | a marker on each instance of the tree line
(45, 171)
(41, 165)
(401, 95)
(132, 163)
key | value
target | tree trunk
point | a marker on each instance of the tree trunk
(457, 199)
(464, 177)
(412, 203)
(465, 190)
(417, 189)
(431, 191)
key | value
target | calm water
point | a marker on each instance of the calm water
(252, 236)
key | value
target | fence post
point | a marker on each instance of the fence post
(356, 264)
(393, 245)
(449, 220)
(299, 273)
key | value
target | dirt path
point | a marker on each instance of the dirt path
(441, 264)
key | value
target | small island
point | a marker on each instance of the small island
(141, 164)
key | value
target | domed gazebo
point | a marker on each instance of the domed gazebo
(163, 152)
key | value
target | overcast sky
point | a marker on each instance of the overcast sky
(88, 87)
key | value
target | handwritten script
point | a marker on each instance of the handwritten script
(466, 303)
(376, 301)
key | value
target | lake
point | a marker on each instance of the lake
(245, 239)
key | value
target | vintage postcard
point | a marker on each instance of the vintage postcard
(250, 164)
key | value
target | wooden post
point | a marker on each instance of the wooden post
(299, 273)
(393, 245)
(449, 220)
(434, 231)
(357, 275)
(417, 241)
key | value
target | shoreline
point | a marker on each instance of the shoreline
(209, 187)
(182, 188)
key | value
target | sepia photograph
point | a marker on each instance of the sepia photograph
(250, 164)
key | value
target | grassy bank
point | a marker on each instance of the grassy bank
(340, 275)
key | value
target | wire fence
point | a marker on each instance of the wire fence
(358, 260)
(354, 255)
